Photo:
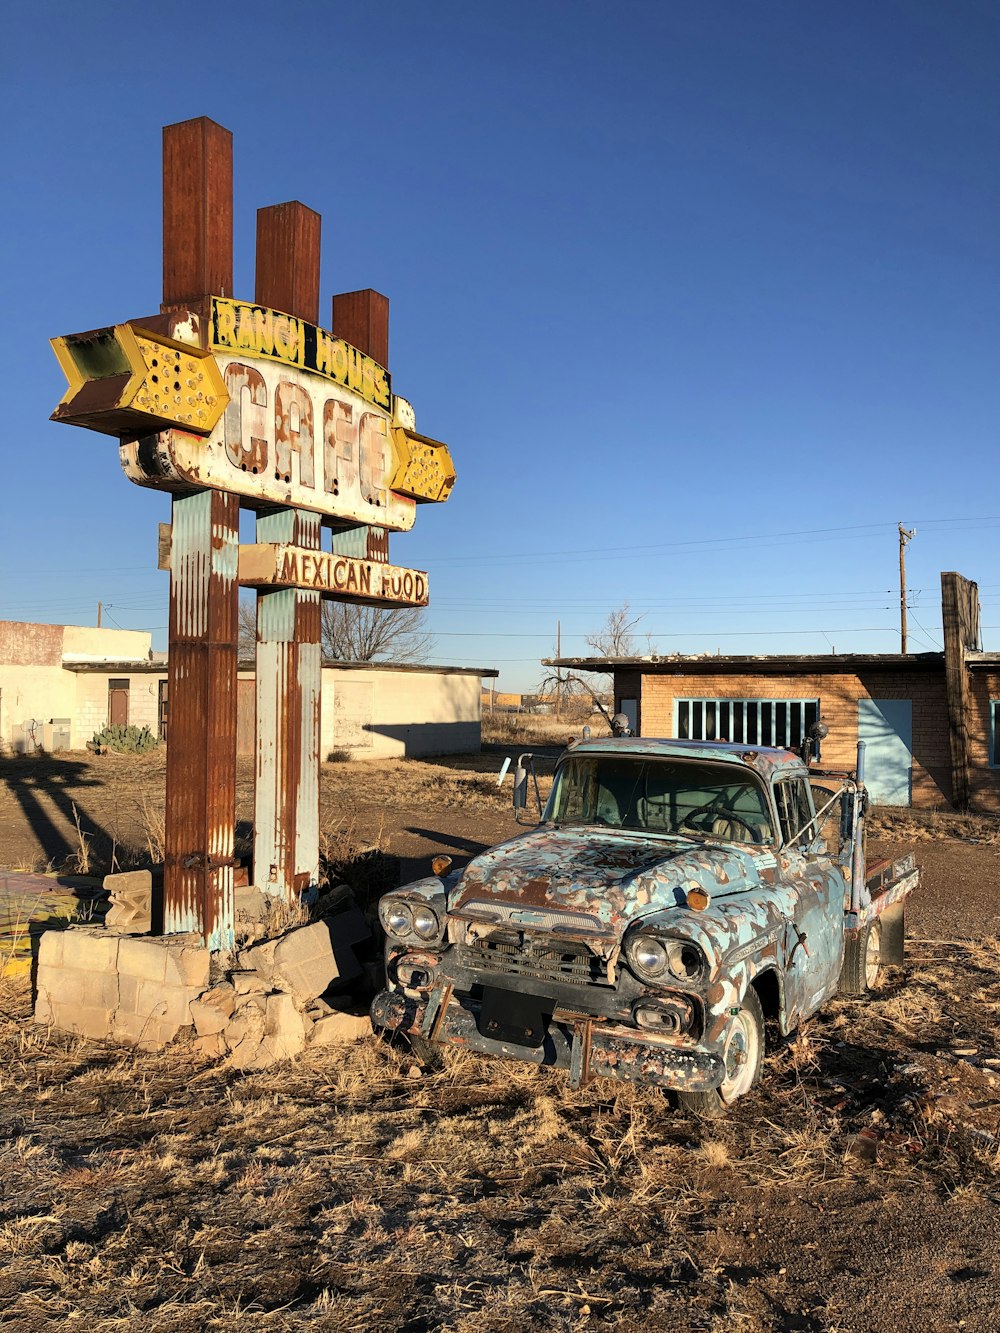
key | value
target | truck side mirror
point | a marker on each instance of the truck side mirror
(520, 797)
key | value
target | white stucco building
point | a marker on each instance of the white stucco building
(59, 684)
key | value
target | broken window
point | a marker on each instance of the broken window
(777, 722)
(794, 809)
(995, 733)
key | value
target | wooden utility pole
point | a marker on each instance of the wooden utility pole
(905, 536)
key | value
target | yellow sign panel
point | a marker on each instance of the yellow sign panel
(253, 330)
(125, 380)
(423, 467)
(281, 565)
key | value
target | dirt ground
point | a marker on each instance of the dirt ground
(858, 1188)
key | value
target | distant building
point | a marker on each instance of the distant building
(930, 721)
(59, 684)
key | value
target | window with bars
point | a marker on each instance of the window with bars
(779, 722)
(995, 733)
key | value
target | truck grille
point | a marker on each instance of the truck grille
(539, 957)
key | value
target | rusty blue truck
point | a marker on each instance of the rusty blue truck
(673, 897)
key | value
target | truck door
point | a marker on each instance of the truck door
(814, 929)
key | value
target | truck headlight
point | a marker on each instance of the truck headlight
(653, 958)
(398, 919)
(649, 956)
(425, 922)
(405, 920)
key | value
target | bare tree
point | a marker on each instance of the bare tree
(616, 639)
(581, 688)
(246, 629)
(352, 633)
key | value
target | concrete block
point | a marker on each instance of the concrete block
(69, 986)
(339, 1029)
(249, 903)
(90, 947)
(221, 997)
(131, 901)
(130, 883)
(187, 964)
(248, 983)
(83, 1021)
(171, 1005)
(208, 1018)
(128, 993)
(149, 1034)
(347, 963)
(244, 1032)
(284, 1033)
(50, 949)
(258, 958)
(145, 959)
(304, 963)
(213, 1047)
(284, 1026)
(347, 928)
(44, 1012)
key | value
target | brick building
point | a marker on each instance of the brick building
(930, 721)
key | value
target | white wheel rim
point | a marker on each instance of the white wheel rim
(873, 954)
(740, 1057)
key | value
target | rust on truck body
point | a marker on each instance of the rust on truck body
(705, 853)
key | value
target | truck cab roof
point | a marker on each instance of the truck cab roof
(765, 760)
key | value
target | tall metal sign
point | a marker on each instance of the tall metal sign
(230, 404)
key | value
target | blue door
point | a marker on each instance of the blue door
(886, 727)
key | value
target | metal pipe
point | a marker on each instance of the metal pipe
(858, 891)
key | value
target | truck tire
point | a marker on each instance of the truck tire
(862, 960)
(744, 1055)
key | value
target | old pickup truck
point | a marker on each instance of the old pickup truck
(673, 896)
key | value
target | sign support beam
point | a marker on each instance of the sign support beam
(201, 755)
(289, 665)
(204, 592)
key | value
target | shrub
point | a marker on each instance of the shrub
(127, 740)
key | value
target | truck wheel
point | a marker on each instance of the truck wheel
(743, 1054)
(862, 960)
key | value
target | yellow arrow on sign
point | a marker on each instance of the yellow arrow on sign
(126, 381)
(423, 468)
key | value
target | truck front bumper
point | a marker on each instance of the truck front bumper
(586, 1048)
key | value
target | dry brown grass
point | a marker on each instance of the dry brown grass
(155, 1192)
(912, 825)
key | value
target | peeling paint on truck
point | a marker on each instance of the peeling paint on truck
(621, 937)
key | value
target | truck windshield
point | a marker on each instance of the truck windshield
(660, 796)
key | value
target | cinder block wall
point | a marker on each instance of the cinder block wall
(838, 695)
(91, 712)
(399, 713)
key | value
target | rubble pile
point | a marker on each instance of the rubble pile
(267, 1003)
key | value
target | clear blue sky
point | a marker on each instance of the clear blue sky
(705, 297)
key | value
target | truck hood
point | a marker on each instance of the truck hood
(604, 875)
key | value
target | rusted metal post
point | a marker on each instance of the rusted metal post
(289, 669)
(289, 666)
(362, 319)
(197, 213)
(287, 270)
(204, 594)
(201, 755)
